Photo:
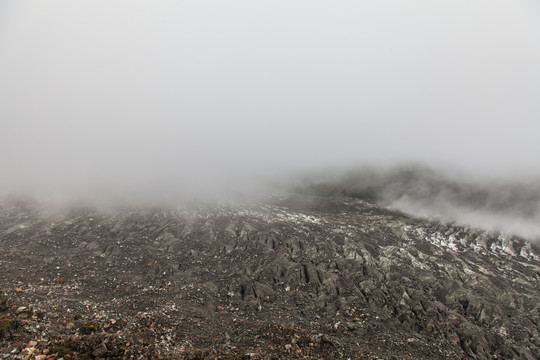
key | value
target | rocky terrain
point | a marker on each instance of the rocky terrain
(301, 276)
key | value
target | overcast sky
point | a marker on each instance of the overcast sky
(154, 93)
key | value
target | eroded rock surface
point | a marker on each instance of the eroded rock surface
(301, 276)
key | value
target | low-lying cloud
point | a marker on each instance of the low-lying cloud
(508, 206)
(159, 101)
(512, 208)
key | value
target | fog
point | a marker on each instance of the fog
(498, 205)
(159, 100)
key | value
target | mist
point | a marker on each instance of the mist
(140, 101)
(497, 205)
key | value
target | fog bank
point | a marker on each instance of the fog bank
(501, 205)
(163, 100)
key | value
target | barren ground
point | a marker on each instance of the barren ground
(299, 277)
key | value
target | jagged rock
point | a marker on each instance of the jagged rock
(282, 271)
(100, 351)
(3, 304)
(6, 328)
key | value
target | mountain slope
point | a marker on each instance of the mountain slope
(298, 276)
